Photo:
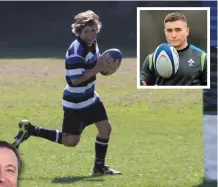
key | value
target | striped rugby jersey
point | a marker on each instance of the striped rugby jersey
(210, 95)
(80, 58)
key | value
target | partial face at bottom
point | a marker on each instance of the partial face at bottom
(8, 168)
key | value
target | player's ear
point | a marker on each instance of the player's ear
(187, 31)
(165, 33)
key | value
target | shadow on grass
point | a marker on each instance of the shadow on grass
(66, 179)
(207, 184)
(72, 179)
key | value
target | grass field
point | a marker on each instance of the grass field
(156, 139)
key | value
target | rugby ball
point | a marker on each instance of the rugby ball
(114, 61)
(166, 60)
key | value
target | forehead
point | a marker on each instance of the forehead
(88, 27)
(175, 24)
(7, 157)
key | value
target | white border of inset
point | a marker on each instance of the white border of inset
(138, 48)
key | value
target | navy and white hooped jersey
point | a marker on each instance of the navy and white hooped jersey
(80, 58)
(210, 95)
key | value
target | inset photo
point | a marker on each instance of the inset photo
(173, 48)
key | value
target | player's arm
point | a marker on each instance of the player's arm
(78, 74)
(87, 75)
(204, 69)
(75, 71)
(147, 76)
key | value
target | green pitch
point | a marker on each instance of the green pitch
(156, 138)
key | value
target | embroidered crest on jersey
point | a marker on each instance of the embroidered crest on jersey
(191, 62)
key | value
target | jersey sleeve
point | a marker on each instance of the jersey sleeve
(204, 69)
(74, 65)
(147, 71)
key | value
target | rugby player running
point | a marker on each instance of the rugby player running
(81, 104)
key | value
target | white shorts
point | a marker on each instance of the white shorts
(210, 147)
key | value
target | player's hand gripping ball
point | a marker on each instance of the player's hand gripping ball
(112, 59)
(166, 60)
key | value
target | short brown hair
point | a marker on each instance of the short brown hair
(83, 19)
(175, 16)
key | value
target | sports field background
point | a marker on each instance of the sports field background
(156, 139)
(48, 24)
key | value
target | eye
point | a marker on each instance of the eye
(10, 170)
(178, 29)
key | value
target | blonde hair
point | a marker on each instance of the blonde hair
(83, 19)
(175, 16)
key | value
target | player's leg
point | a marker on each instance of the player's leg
(101, 142)
(210, 121)
(210, 147)
(100, 118)
(70, 136)
(27, 129)
(72, 127)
